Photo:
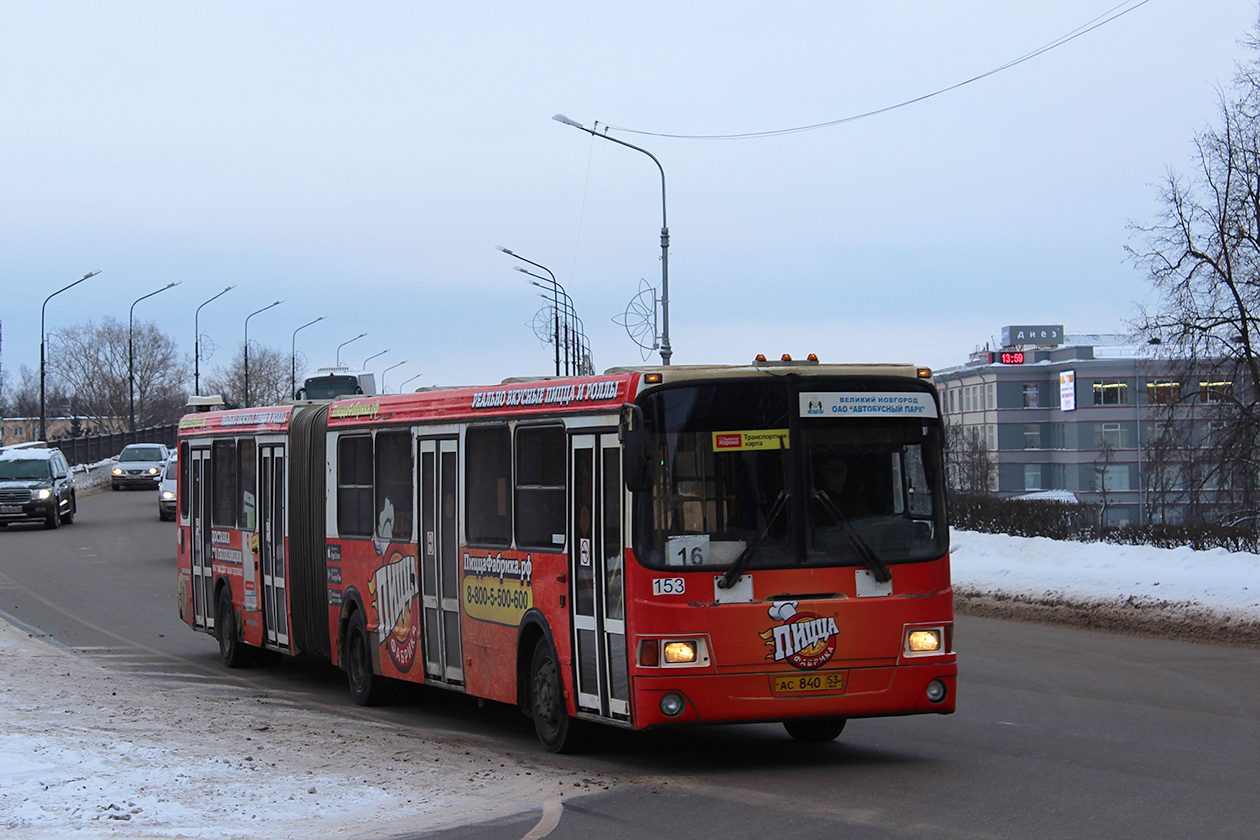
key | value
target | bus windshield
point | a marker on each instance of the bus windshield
(330, 387)
(740, 476)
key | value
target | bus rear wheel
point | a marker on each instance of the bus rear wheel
(367, 688)
(815, 730)
(233, 652)
(558, 732)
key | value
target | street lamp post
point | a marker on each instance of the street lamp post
(131, 354)
(42, 412)
(574, 331)
(405, 381)
(247, 317)
(197, 342)
(555, 284)
(666, 351)
(387, 370)
(293, 356)
(373, 356)
(344, 343)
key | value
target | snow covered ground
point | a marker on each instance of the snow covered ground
(88, 752)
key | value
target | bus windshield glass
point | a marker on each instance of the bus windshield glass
(740, 476)
(330, 387)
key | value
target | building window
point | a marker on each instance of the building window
(990, 394)
(1058, 436)
(1214, 392)
(1111, 392)
(990, 437)
(1032, 395)
(1113, 478)
(1115, 435)
(1032, 477)
(1163, 393)
(1058, 477)
(1032, 436)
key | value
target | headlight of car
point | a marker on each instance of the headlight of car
(168, 495)
(117, 471)
(153, 470)
(42, 493)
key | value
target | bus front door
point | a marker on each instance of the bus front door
(439, 560)
(596, 565)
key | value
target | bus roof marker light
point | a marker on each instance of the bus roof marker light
(925, 373)
(812, 357)
(786, 357)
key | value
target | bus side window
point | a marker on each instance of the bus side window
(488, 512)
(393, 485)
(354, 486)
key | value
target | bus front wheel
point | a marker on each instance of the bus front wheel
(558, 732)
(815, 730)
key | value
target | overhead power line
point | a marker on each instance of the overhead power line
(1106, 17)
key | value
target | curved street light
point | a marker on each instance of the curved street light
(666, 351)
(247, 317)
(405, 381)
(197, 341)
(344, 343)
(387, 370)
(373, 356)
(293, 356)
(555, 294)
(42, 412)
(131, 355)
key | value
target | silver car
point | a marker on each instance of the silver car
(139, 465)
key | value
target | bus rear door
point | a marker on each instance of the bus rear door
(439, 559)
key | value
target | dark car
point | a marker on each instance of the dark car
(35, 485)
(139, 465)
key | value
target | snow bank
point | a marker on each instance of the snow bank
(93, 753)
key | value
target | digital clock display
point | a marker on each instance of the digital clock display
(1014, 357)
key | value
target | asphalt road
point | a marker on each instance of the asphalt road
(1059, 732)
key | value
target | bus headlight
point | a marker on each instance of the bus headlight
(672, 704)
(680, 653)
(925, 641)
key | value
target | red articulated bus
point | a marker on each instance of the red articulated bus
(666, 545)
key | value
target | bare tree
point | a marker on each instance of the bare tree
(1202, 255)
(94, 364)
(270, 372)
(21, 398)
(971, 467)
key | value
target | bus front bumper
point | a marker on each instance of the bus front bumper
(927, 688)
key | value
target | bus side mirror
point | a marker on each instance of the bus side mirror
(636, 453)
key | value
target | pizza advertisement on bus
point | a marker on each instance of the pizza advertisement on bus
(498, 586)
(395, 592)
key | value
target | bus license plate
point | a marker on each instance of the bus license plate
(830, 682)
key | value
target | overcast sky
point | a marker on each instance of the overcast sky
(362, 161)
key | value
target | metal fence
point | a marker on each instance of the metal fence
(93, 448)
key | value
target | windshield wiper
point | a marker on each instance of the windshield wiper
(732, 574)
(878, 570)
